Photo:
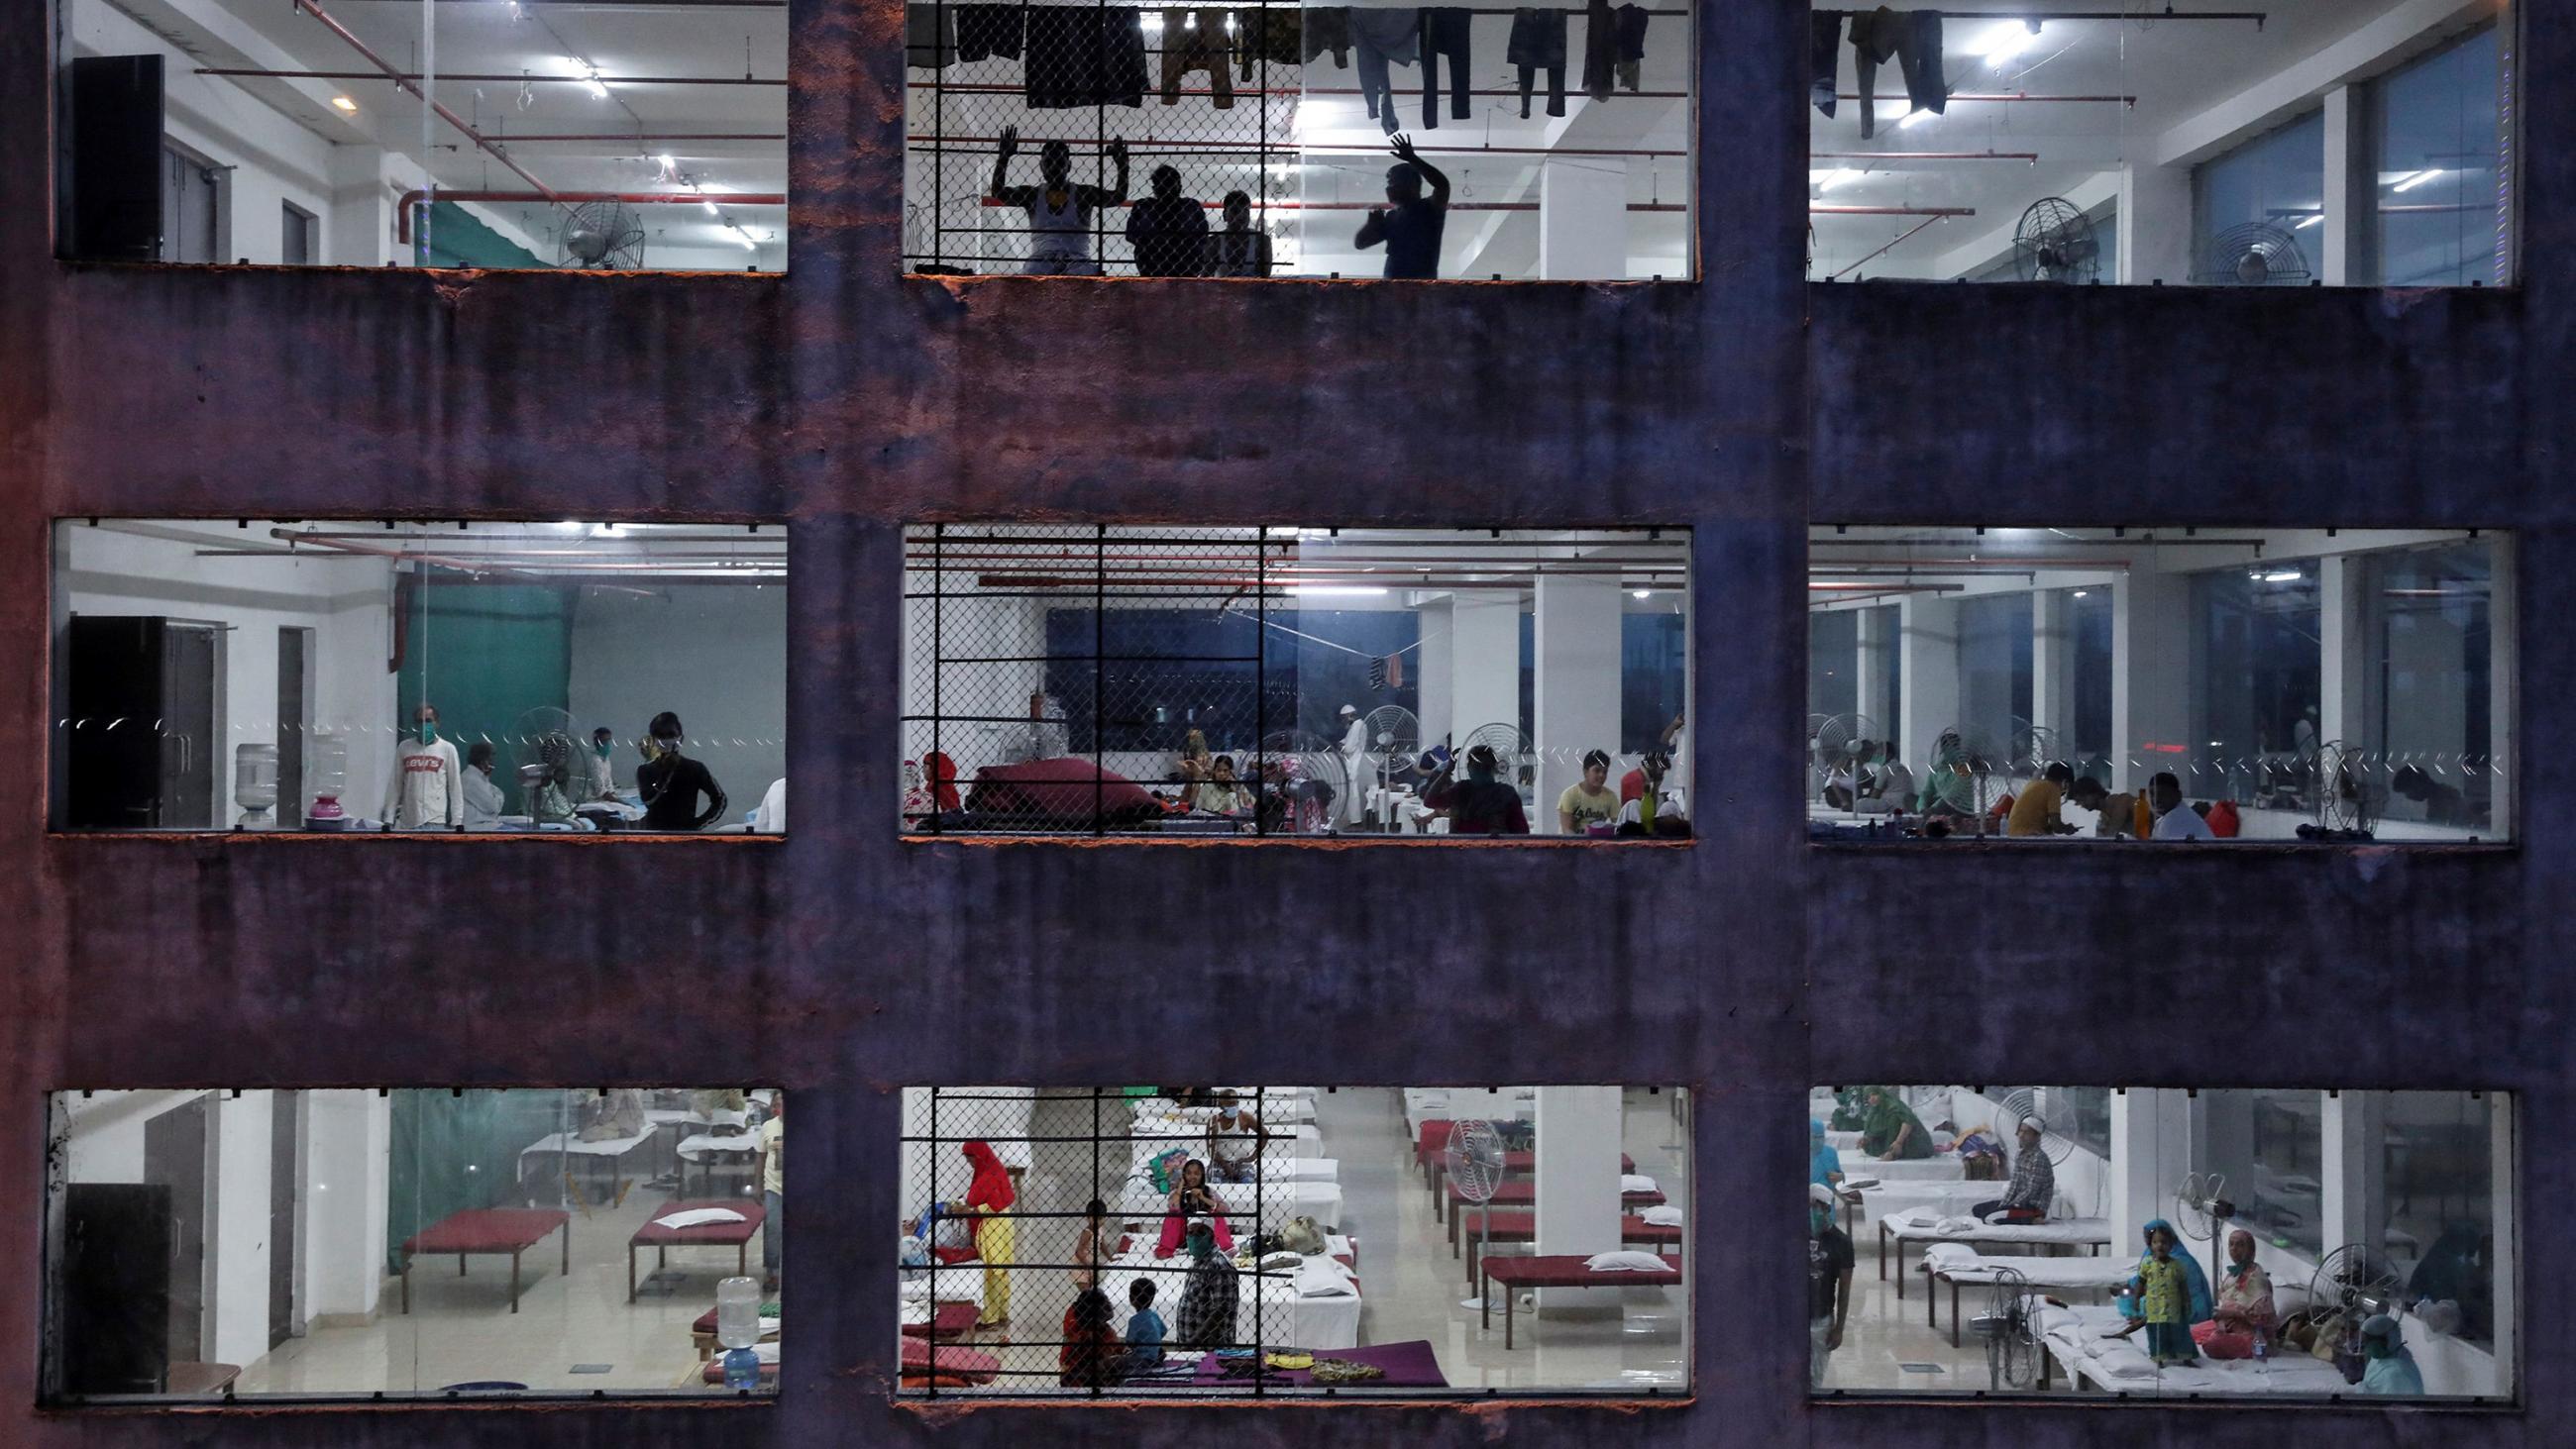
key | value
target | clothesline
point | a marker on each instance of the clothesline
(2141, 17)
(980, 145)
(974, 88)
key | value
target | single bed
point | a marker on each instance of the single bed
(735, 1234)
(1512, 1272)
(1957, 1264)
(1520, 1226)
(1458, 1104)
(708, 1152)
(486, 1232)
(2077, 1348)
(1316, 1307)
(1941, 1168)
(1896, 1197)
(1923, 1225)
(1521, 1193)
(601, 1161)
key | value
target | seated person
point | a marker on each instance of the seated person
(2120, 811)
(1889, 1129)
(1480, 804)
(2390, 1364)
(1220, 793)
(2443, 804)
(1145, 1329)
(2036, 810)
(2174, 820)
(482, 797)
(2243, 1307)
(1192, 1199)
(2033, 1186)
(1092, 1353)
(1824, 1164)
(1235, 1139)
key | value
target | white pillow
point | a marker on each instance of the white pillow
(1628, 1260)
(698, 1217)
(2126, 1361)
(1949, 1255)
(1636, 1182)
(1662, 1215)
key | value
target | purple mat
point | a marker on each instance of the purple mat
(1409, 1365)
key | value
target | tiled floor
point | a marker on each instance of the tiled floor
(461, 1330)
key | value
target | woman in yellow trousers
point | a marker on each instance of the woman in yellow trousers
(988, 1199)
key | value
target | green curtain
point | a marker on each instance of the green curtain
(457, 1151)
(459, 238)
(486, 654)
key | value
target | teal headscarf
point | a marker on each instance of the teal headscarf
(1823, 1162)
(2200, 1301)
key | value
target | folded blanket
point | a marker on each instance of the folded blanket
(1324, 1278)
(698, 1218)
(1957, 1225)
(2124, 1360)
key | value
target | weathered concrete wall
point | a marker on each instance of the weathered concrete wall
(848, 401)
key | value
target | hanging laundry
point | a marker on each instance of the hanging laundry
(1913, 40)
(1084, 55)
(1328, 27)
(1193, 41)
(984, 31)
(1600, 49)
(929, 37)
(1632, 46)
(1377, 673)
(1824, 58)
(1395, 671)
(1384, 37)
(1538, 43)
(1444, 33)
(1275, 36)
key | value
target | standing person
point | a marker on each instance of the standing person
(600, 770)
(2244, 1310)
(1589, 801)
(2170, 1295)
(1095, 1247)
(1410, 223)
(1168, 230)
(426, 790)
(769, 1167)
(2034, 1181)
(1240, 250)
(1234, 1125)
(1209, 1296)
(1355, 743)
(670, 783)
(1060, 213)
(1829, 1282)
(483, 800)
(988, 1204)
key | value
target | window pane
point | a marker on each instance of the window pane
(2157, 147)
(1296, 681)
(2329, 685)
(2024, 1218)
(2442, 200)
(1257, 141)
(509, 676)
(1143, 1242)
(575, 133)
(410, 1243)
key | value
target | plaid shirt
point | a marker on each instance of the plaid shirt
(2034, 1181)
(1208, 1300)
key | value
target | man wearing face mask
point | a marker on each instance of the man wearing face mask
(670, 782)
(426, 791)
(600, 780)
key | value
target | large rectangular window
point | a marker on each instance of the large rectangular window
(506, 677)
(2191, 684)
(1063, 139)
(1179, 1242)
(2138, 1243)
(2164, 145)
(412, 1243)
(577, 134)
(1296, 681)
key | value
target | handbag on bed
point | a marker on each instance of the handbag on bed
(1302, 1235)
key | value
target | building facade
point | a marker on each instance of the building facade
(846, 962)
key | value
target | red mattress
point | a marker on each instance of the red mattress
(1567, 1271)
(1525, 1191)
(486, 1230)
(1063, 792)
(1521, 1227)
(726, 1234)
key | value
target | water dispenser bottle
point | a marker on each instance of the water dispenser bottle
(738, 1328)
(326, 765)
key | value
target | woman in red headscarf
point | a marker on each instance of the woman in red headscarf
(943, 779)
(987, 1204)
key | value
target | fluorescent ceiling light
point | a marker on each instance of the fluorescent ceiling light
(1641, 593)
(1914, 119)
(2000, 43)
(2284, 576)
(2418, 179)
(2317, 220)
(2080, 593)
(1334, 591)
(344, 104)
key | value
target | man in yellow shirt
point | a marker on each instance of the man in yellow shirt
(2035, 809)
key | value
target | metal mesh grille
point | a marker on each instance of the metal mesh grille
(1025, 1258)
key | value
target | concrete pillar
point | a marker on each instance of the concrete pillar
(1576, 691)
(2343, 634)
(1431, 668)
(2155, 224)
(2506, 1222)
(2151, 656)
(2150, 1156)
(237, 1227)
(1928, 648)
(1577, 1174)
(2052, 665)
(2354, 1170)
(348, 1154)
(2504, 641)
(1484, 661)
(1583, 220)
(1876, 689)
(359, 230)
(2345, 244)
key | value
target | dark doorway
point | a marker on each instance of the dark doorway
(174, 1156)
(294, 717)
(191, 206)
(144, 693)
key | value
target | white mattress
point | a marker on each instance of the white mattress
(1454, 1104)
(1918, 1223)
(1277, 1202)
(705, 1145)
(956, 1283)
(1287, 1318)
(1944, 1168)
(1895, 1197)
(555, 1142)
(2073, 1337)
(1965, 1266)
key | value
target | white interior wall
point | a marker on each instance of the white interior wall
(1575, 692)
(714, 654)
(239, 1226)
(2083, 1179)
(347, 1161)
(346, 601)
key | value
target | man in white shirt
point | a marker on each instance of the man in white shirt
(483, 800)
(1355, 770)
(600, 771)
(425, 792)
(2174, 819)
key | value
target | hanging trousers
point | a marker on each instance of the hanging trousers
(1384, 37)
(1824, 58)
(1538, 43)
(1444, 32)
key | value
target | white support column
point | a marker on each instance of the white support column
(2343, 633)
(2350, 229)
(2150, 1153)
(2504, 644)
(2150, 679)
(1431, 667)
(1576, 690)
(1577, 1175)
(1875, 692)
(348, 1154)
(2155, 224)
(2354, 1170)
(237, 1226)
(1928, 645)
(1484, 661)
(2052, 664)
(2505, 1263)
(1583, 220)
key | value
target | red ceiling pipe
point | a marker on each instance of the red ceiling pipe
(404, 78)
(313, 9)
(2012, 98)
(2029, 156)
(410, 199)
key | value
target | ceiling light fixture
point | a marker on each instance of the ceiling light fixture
(1334, 591)
(2317, 220)
(2000, 43)
(1914, 119)
(344, 105)
(2418, 179)
(1641, 593)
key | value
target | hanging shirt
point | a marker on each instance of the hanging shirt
(424, 792)
(483, 801)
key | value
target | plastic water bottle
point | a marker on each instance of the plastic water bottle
(738, 1328)
(2262, 1353)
